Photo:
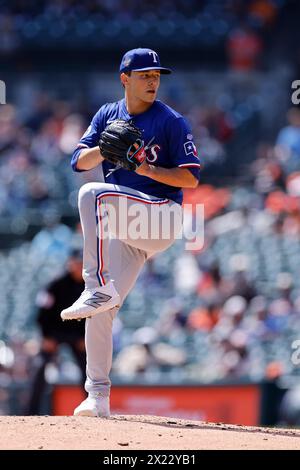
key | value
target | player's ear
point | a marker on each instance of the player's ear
(124, 78)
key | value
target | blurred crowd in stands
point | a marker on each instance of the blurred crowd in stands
(35, 155)
(209, 22)
(262, 12)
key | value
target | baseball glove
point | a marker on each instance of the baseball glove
(121, 144)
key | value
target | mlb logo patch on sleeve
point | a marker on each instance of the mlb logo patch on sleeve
(190, 148)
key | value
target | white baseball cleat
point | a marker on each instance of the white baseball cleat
(91, 302)
(95, 405)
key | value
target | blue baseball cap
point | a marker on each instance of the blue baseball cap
(141, 59)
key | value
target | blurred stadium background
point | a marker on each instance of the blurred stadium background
(232, 312)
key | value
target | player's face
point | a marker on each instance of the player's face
(144, 85)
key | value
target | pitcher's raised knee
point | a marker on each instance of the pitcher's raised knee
(88, 192)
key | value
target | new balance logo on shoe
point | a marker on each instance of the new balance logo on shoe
(97, 299)
(92, 302)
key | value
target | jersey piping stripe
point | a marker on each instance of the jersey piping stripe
(98, 201)
(81, 146)
(100, 276)
(101, 214)
(196, 165)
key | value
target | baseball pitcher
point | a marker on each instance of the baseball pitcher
(146, 155)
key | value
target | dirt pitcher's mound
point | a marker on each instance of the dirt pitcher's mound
(137, 432)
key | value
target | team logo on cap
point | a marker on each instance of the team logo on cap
(154, 56)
